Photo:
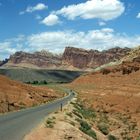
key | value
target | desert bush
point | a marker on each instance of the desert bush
(87, 113)
(43, 82)
(35, 82)
(136, 69)
(28, 82)
(103, 128)
(85, 125)
(69, 114)
(50, 122)
(72, 123)
(105, 71)
(92, 134)
(86, 128)
(126, 71)
(77, 114)
(111, 137)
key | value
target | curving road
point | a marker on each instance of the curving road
(15, 125)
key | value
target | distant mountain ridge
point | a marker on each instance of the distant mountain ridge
(72, 58)
(81, 58)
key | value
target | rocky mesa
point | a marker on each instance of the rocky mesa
(81, 58)
(72, 58)
(42, 59)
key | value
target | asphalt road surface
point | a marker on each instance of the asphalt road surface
(15, 125)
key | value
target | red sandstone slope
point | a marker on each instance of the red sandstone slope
(15, 95)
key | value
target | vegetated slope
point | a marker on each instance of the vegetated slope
(15, 95)
(115, 98)
(30, 75)
(114, 94)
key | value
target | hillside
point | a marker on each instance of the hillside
(50, 76)
(133, 55)
(15, 95)
(113, 93)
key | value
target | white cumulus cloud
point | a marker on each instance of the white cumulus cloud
(138, 15)
(101, 23)
(38, 7)
(51, 20)
(56, 41)
(102, 9)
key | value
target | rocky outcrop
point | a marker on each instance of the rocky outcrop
(41, 59)
(81, 58)
(128, 64)
(72, 58)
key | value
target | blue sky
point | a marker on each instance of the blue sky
(33, 25)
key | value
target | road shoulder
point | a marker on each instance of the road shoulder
(60, 125)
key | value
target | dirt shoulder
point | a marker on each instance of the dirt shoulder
(61, 125)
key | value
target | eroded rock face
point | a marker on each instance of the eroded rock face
(71, 58)
(41, 59)
(81, 58)
(129, 64)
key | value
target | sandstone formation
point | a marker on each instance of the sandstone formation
(81, 58)
(72, 58)
(41, 59)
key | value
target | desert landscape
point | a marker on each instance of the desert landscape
(114, 94)
(106, 106)
(69, 70)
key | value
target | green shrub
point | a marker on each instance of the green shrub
(28, 82)
(77, 114)
(69, 114)
(35, 82)
(87, 113)
(111, 137)
(50, 122)
(92, 133)
(86, 128)
(43, 82)
(72, 123)
(103, 128)
(85, 125)
(138, 138)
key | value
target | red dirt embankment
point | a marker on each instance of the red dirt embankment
(15, 95)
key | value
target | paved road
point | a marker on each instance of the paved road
(14, 126)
